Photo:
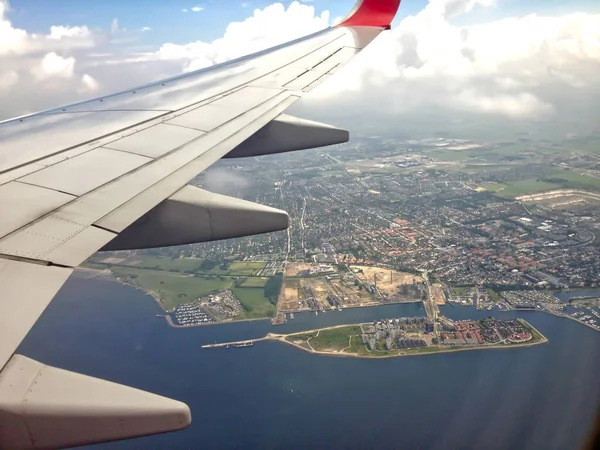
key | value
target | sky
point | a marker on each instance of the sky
(525, 60)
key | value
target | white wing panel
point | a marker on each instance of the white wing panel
(155, 141)
(339, 58)
(27, 141)
(221, 111)
(40, 238)
(86, 172)
(124, 216)
(23, 203)
(19, 172)
(26, 291)
(79, 247)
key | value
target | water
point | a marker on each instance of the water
(564, 296)
(275, 396)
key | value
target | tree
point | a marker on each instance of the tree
(273, 288)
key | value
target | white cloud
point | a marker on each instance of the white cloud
(511, 67)
(8, 80)
(267, 27)
(197, 9)
(59, 32)
(89, 83)
(521, 67)
(53, 65)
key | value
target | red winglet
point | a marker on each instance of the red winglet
(372, 13)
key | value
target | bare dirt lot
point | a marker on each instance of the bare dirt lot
(293, 268)
(437, 294)
(288, 298)
(113, 260)
(388, 281)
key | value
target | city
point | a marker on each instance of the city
(483, 223)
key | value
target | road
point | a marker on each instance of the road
(430, 306)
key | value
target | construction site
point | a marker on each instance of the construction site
(324, 286)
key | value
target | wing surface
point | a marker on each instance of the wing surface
(74, 178)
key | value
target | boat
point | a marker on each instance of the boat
(316, 313)
(292, 316)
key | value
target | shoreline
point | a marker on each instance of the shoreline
(564, 316)
(109, 275)
(440, 349)
(439, 352)
(170, 322)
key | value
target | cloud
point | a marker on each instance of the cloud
(53, 65)
(197, 9)
(267, 27)
(59, 32)
(524, 68)
(517, 68)
(89, 83)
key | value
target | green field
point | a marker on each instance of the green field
(573, 179)
(245, 267)
(521, 187)
(173, 289)
(185, 265)
(300, 336)
(255, 304)
(494, 295)
(334, 339)
(561, 179)
(459, 290)
(254, 282)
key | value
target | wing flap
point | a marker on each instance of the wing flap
(27, 203)
(26, 291)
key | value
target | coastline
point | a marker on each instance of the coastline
(554, 314)
(283, 338)
(440, 350)
(109, 275)
(169, 320)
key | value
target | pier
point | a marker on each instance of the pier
(245, 343)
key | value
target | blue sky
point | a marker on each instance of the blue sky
(169, 23)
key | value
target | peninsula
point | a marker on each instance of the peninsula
(406, 336)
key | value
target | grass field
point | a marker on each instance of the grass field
(255, 304)
(246, 267)
(254, 282)
(188, 265)
(300, 337)
(173, 289)
(334, 339)
(459, 290)
(561, 179)
(521, 187)
(575, 180)
(494, 295)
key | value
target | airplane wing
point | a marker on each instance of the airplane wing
(112, 173)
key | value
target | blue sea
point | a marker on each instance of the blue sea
(273, 396)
